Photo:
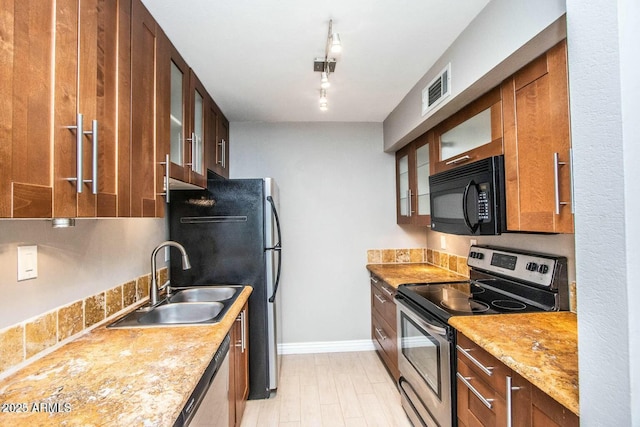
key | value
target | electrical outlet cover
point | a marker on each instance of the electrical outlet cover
(27, 262)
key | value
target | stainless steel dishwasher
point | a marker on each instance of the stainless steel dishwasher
(208, 405)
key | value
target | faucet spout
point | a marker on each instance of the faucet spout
(186, 264)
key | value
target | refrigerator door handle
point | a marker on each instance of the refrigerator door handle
(277, 247)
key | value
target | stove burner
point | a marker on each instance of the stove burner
(476, 288)
(464, 305)
(508, 304)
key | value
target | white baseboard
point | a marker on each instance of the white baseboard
(325, 347)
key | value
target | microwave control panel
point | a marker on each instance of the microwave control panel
(484, 212)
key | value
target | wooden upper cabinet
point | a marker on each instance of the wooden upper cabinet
(537, 145)
(196, 131)
(63, 72)
(217, 141)
(187, 121)
(85, 108)
(145, 49)
(26, 30)
(471, 134)
(413, 167)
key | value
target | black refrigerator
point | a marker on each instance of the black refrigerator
(231, 232)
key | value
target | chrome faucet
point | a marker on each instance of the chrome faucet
(153, 288)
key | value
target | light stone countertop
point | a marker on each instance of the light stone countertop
(115, 377)
(541, 347)
(399, 274)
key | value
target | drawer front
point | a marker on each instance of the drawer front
(382, 300)
(478, 402)
(385, 340)
(484, 366)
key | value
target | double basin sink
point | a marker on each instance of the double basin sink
(185, 306)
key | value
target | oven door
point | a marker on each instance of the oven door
(425, 349)
(469, 200)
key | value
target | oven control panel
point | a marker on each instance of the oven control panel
(538, 269)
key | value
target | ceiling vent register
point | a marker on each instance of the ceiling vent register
(438, 89)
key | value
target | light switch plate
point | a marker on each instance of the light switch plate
(27, 262)
(443, 242)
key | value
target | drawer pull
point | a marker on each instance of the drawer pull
(390, 293)
(373, 279)
(485, 369)
(465, 381)
(382, 336)
(510, 388)
(380, 298)
(458, 160)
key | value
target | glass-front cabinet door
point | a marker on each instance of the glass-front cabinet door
(473, 133)
(177, 115)
(413, 167)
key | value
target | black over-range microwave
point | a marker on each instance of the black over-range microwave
(469, 199)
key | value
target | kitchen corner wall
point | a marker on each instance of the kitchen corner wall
(73, 263)
(337, 199)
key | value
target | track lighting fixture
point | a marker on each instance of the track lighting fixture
(327, 65)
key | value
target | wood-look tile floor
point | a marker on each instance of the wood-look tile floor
(330, 390)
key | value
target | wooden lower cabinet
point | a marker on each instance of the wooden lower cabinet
(239, 367)
(491, 394)
(383, 324)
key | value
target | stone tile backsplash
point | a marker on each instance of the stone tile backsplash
(28, 339)
(451, 262)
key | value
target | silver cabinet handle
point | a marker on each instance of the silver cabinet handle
(192, 140)
(409, 207)
(486, 369)
(380, 298)
(167, 165)
(573, 199)
(510, 400)
(465, 381)
(556, 180)
(373, 279)
(380, 334)
(79, 137)
(458, 160)
(94, 156)
(223, 153)
(388, 292)
(243, 345)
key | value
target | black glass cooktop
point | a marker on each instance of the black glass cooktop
(463, 299)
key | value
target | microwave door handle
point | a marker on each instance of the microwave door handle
(465, 208)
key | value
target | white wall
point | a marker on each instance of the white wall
(337, 197)
(500, 40)
(603, 63)
(73, 263)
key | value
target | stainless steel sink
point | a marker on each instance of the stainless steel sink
(212, 293)
(185, 312)
(187, 306)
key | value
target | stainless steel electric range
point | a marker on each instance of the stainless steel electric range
(502, 281)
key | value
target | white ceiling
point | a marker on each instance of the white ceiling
(256, 57)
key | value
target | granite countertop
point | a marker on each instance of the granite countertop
(115, 377)
(398, 274)
(541, 347)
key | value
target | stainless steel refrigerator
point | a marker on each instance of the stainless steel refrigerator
(231, 232)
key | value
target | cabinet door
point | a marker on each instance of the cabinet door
(423, 165)
(179, 116)
(124, 109)
(537, 146)
(144, 44)
(405, 184)
(240, 377)
(223, 145)
(471, 134)
(26, 30)
(196, 132)
(211, 136)
(85, 100)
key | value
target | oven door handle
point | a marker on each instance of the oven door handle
(465, 208)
